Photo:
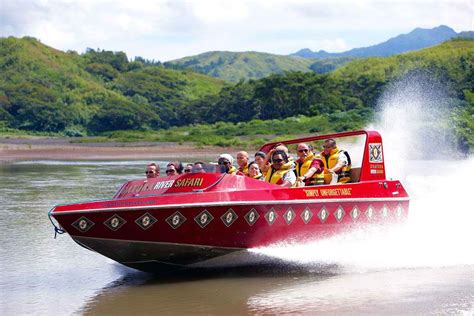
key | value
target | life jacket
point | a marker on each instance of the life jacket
(232, 170)
(302, 166)
(331, 160)
(244, 170)
(276, 176)
(259, 176)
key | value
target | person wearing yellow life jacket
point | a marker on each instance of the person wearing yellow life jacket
(309, 169)
(254, 172)
(336, 161)
(242, 162)
(281, 172)
(226, 160)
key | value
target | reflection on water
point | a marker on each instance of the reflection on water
(44, 276)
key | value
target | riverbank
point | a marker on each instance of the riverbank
(41, 148)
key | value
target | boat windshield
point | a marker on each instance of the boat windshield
(209, 168)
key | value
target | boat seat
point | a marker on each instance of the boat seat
(354, 173)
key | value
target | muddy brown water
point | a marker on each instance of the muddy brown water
(43, 275)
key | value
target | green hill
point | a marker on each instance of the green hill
(44, 89)
(233, 67)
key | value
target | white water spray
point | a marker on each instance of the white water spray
(439, 229)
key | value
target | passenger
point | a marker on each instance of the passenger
(281, 172)
(171, 170)
(281, 147)
(188, 168)
(263, 164)
(243, 162)
(226, 161)
(254, 171)
(198, 167)
(152, 170)
(337, 162)
(309, 169)
(178, 166)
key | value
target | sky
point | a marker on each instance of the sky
(163, 30)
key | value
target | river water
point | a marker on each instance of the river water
(423, 267)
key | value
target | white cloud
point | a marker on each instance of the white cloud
(167, 29)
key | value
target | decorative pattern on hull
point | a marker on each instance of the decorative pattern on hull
(355, 213)
(370, 212)
(306, 215)
(289, 216)
(204, 218)
(251, 217)
(323, 214)
(83, 224)
(271, 216)
(229, 217)
(176, 220)
(115, 222)
(339, 214)
(146, 221)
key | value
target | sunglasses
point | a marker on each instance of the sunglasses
(278, 160)
(149, 172)
(187, 170)
(303, 150)
(170, 171)
(224, 162)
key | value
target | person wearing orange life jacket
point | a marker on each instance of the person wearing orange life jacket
(281, 171)
(309, 169)
(336, 162)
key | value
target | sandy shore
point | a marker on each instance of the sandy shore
(21, 149)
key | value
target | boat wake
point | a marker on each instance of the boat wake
(438, 231)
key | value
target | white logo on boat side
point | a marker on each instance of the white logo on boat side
(385, 211)
(323, 214)
(370, 212)
(204, 218)
(355, 213)
(83, 224)
(146, 221)
(399, 211)
(252, 216)
(175, 220)
(339, 214)
(271, 216)
(289, 216)
(229, 217)
(306, 215)
(115, 222)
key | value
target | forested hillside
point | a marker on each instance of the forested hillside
(42, 89)
(233, 67)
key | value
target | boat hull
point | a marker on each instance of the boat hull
(160, 237)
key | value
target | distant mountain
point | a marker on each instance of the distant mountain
(417, 39)
(234, 66)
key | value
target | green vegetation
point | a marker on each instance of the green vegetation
(43, 89)
(103, 93)
(233, 67)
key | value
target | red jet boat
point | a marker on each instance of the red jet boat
(212, 219)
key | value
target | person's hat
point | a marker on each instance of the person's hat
(227, 157)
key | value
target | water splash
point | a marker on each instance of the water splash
(438, 232)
